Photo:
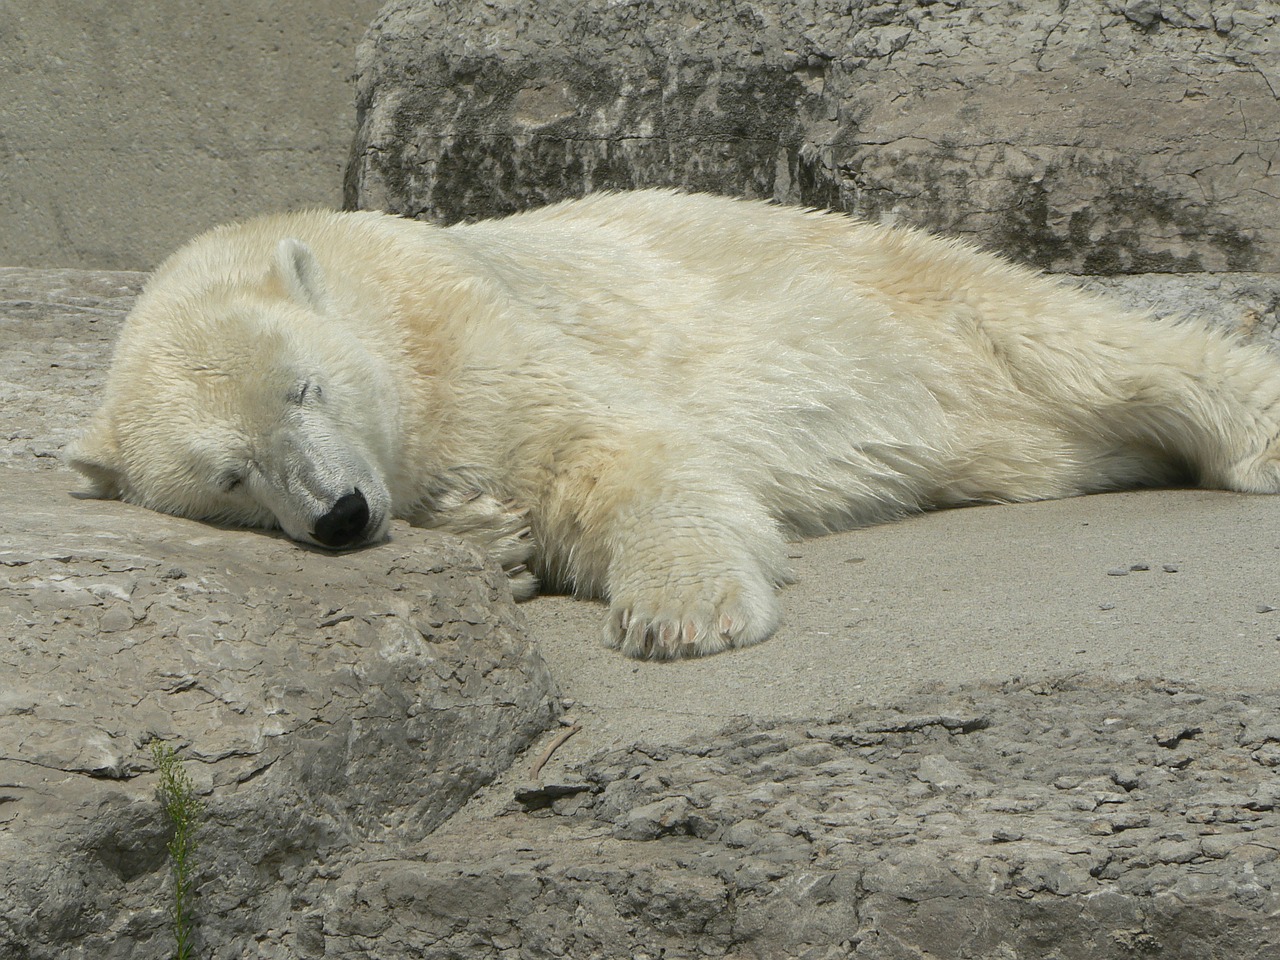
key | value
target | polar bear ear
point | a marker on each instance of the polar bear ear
(96, 455)
(301, 274)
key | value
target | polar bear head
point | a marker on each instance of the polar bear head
(242, 397)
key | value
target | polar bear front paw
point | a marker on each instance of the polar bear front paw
(671, 622)
(498, 527)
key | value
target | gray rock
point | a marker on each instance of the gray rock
(1247, 303)
(56, 332)
(1052, 824)
(1087, 138)
(330, 708)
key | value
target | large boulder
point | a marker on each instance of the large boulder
(1123, 137)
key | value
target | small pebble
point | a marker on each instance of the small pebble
(1265, 608)
(1170, 568)
(1118, 572)
(1140, 566)
(1106, 606)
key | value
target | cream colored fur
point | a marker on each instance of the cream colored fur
(642, 396)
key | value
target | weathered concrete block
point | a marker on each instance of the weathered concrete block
(1123, 137)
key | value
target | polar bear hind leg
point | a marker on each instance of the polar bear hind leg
(1211, 401)
(1143, 398)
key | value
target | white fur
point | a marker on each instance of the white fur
(664, 388)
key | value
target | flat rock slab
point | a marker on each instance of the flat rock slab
(1071, 820)
(961, 596)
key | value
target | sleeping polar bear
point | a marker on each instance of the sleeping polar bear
(642, 396)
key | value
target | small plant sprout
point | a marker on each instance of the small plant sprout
(182, 808)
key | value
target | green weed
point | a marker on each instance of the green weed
(182, 808)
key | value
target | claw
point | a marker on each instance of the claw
(699, 622)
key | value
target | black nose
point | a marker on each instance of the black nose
(344, 524)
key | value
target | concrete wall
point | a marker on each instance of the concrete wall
(127, 126)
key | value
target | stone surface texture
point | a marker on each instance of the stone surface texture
(364, 730)
(1125, 136)
(1054, 821)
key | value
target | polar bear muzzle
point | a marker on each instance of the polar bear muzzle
(346, 522)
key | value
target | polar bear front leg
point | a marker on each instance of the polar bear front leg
(661, 526)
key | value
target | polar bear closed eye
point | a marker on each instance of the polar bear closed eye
(642, 396)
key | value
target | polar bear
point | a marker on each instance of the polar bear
(642, 396)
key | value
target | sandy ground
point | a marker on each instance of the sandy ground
(985, 593)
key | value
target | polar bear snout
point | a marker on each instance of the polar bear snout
(346, 524)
